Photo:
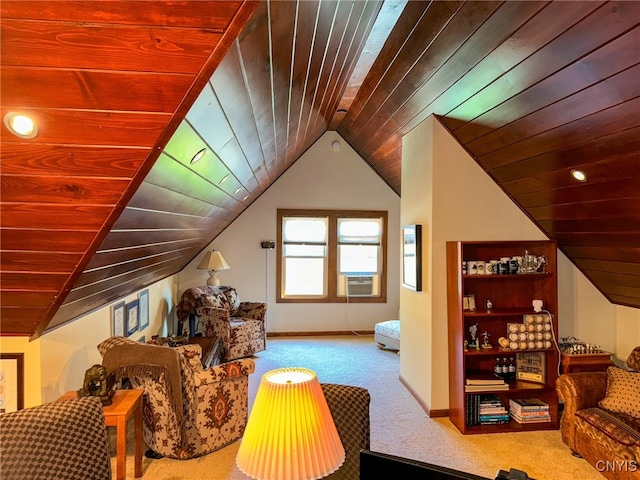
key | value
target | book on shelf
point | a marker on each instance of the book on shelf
(541, 413)
(484, 378)
(530, 418)
(472, 410)
(499, 416)
(486, 388)
(491, 399)
(493, 418)
(492, 410)
(527, 405)
(485, 381)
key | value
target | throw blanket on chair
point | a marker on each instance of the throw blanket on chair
(139, 359)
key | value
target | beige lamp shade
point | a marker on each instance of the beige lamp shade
(290, 434)
(213, 261)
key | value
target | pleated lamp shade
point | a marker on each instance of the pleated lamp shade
(290, 434)
(213, 261)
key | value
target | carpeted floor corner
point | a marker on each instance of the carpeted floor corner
(399, 426)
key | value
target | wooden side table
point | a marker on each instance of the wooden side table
(586, 362)
(125, 403)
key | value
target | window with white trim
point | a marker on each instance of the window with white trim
(331, 256)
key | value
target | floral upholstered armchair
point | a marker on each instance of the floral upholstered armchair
(188, 411)
(240, 325)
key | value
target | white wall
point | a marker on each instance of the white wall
(68, 351)
(320, 179)
(444, 189)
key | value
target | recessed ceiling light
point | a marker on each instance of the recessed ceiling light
(198, 156)
(579, 175)
(20, 125)
(224, 179)
(335, 146)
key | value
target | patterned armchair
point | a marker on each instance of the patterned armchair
(240, 325)
(349, 406)
(65, 440)
(188, 411)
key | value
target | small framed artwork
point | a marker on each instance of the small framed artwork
(143, 309)
(11, 382)
(132, 317)
(412, 257)
(117, 319)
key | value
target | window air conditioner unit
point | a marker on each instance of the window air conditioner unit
(360, 286)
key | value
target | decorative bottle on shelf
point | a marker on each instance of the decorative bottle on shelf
(497, 368)
(505, 369)
(512, 369)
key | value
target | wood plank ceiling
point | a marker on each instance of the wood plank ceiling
(105, 201)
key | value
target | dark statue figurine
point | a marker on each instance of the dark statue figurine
(98, 384)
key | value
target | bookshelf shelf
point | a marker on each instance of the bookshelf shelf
(511, 296)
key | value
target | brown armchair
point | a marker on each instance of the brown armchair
(601, 418)
(188, 411)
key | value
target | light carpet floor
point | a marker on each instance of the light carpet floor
(399, 426)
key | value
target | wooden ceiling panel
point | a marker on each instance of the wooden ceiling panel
(198, 15)
(597, 65)
(98, 90)
(154, 198)
(55, 241)
(9, 299)
(143, 48)
(599, 172)
(605, 122)
(107, 258)
(126, 93)
(71, 161)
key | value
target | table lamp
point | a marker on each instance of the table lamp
(213, 261)
(290, 434)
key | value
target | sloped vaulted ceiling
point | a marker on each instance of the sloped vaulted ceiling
(104, 201)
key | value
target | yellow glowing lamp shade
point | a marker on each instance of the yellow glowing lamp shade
(290, 434)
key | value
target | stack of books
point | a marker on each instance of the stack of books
(486, 384)
(492, 411)
(529, 410)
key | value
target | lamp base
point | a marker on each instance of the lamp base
(213, 280)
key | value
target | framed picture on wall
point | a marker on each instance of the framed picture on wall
(117, 319)
(11, 382)
(412, 257)
(132, 317)
(143, 309)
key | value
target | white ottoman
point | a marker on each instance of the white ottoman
(387, 334)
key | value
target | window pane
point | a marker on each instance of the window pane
(352, 230)
(297, 229)
(358, 258)
(304, 276)
(304, 250)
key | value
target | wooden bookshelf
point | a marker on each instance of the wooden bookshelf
(511, 296)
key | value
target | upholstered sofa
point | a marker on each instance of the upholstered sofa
(349, 406)
(240, 325)
(601, 418)
(65, 440)
(188, 411)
